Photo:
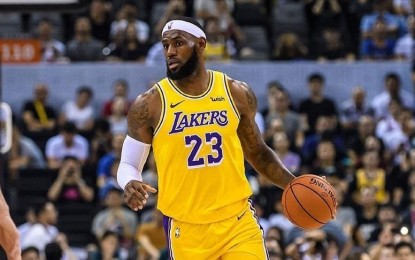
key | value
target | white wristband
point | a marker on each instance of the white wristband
(133, 157)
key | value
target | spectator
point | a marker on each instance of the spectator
(79, 111)
(44, 231)
(325, 164)
(380, 102)
(30, 253)
(120, 87)
(67, 143)
(30, 217)
(84, 47)
(404, 251)
(109, 248)
(23, 154)
(53, 251)
(394, 129)
(279, 108)
(289, 47)
(118, 118)
(52, 49)
(403, 8)
(404, 45)
(114, 217)
(371, 175)
(106, 162)
(378, 46)
(316, 104)
(128, 15)
(394, 24)
(100, 141)
(39, 118)
(100, 17)
(324, 132)
(353, 109)
(69, 186)
(151, 237)
(216, 46)
(130, 48)
(365, 135)
(333, 46)
(291, 160)
(345, 216)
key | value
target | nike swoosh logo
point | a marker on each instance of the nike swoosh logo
(175, 105)
(239, 217)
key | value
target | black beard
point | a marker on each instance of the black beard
(188, 68)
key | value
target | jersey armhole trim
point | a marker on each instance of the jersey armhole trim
(228, 92)
(163, 109)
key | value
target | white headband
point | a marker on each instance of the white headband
(185, 27)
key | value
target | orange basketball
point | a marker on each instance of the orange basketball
(309, 201)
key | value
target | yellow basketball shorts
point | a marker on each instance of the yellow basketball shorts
(239, 237)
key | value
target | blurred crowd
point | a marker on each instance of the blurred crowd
(130, 30)
(365, 148)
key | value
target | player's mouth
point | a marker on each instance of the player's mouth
(173, 64)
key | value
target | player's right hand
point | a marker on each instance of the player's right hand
(135, 194)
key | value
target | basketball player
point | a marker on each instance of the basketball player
(200, 124)
(9, 236)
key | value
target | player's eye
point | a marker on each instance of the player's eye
(165, 46)
(179, 43)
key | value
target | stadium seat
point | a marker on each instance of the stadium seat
(75, 221)
(256, 39)
(289, 17)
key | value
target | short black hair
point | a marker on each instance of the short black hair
(53, 251)
(30, 249)
(392, 75)
(69, 127)
(402, 244)
(186, 19)
(276, 84)
(316, 76)
(85, 89)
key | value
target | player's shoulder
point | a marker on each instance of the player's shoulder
(146, 105)
(242, 94)
(150, 95)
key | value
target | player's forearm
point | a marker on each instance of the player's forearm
(9, 238)
(267, 163)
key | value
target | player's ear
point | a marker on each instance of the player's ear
(201, 44)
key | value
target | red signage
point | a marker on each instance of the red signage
(20, 50)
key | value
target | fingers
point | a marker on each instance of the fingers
(135, 195)
(149, 188)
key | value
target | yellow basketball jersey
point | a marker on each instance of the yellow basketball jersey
(198, 154)
(379, 182)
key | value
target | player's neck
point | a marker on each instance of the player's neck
(196, 84)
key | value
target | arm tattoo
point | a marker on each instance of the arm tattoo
(139, 114)
(250, 97)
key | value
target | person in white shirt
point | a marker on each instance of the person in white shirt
(380, 102)
(79, 111)
(67, 143)
(404, 48)
(44, 231)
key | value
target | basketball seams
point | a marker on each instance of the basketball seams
(301, 205)
(307, 207)
(285, 207)
(328, 205)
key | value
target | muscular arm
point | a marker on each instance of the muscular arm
(143, 116)
(256, 152)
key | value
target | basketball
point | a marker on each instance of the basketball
(309, 201)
